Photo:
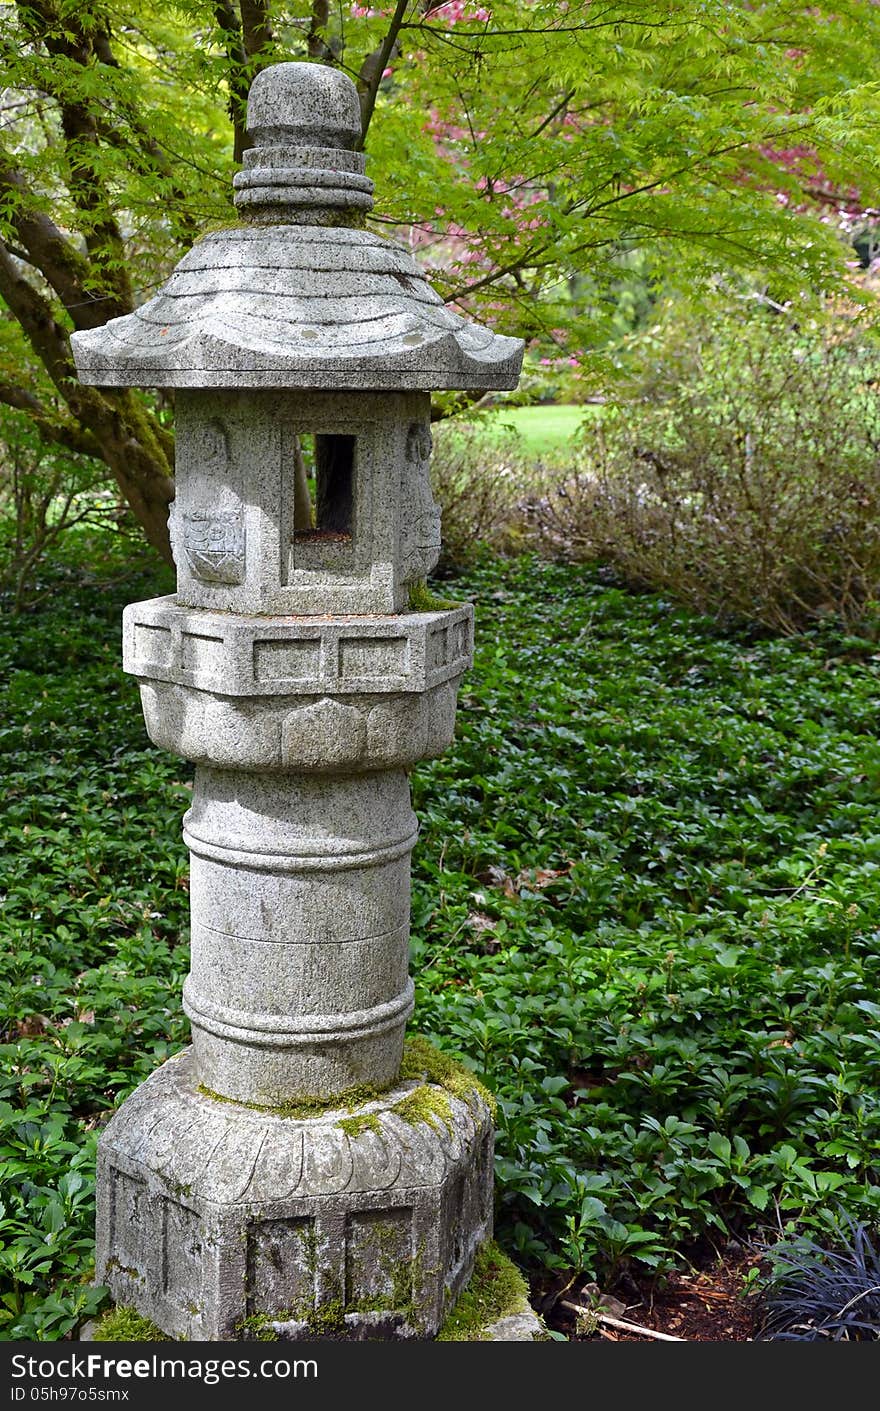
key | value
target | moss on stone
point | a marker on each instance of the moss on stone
(422, 1061)
(426, 1103)
(422, 599)
(496, 1289)
(360, 1122)
(127, 1325)
(259, 1327)
(310, 1107)
(326, 1319)
(402, 1275)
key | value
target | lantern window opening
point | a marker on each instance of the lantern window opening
(328, 462)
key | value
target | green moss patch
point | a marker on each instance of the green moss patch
(496, 1289)
(422, 599)
(127, 1325)
(311, 1107)
(422, 1061)
(425, 1104)
(360, 1122)
(259, 1327)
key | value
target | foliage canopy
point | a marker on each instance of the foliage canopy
(523, 147)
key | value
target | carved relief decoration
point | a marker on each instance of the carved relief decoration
(211, 534)
(419, 512)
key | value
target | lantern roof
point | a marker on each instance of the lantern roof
(300, 296)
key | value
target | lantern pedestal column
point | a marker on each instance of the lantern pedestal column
(286, 1169)
(299, 893)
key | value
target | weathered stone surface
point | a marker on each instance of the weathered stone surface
(246, 655)
(288, 668)
(314, 105)
(237, 542)
(364, 1223)
(297, 694)
(299, 899)
(518, 1327)
(298, 300)
(259, 733)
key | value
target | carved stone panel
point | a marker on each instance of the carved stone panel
(213, 541)
(182, 1254)
(280, 1267)
(379, 1258)
(208, 528)
(131, 1220)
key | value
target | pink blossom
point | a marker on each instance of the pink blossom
(455, 10)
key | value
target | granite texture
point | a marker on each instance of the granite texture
(297, 694)
(288, 668)
(237, 542)
(218, 1221)
(246, 655)
(299, 902)
(297, 307)
(299, 298)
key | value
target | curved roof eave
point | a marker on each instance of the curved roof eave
(297, 307)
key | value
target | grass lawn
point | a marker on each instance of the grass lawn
(646, 910)
(545, 428)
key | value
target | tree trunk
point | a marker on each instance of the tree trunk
(140, 465)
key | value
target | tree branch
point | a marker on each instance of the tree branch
(374, 66)
(52, 429)
(227, 23)
(52, 253)
(316, 45)
(100, 229)
(47, 337)
(148, 158)
(244, 43)
(560, 106)
(256, 31)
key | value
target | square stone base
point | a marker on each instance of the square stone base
(218, 1221)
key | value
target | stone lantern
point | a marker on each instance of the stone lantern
(284, 1169)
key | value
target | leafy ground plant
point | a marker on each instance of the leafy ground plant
(646, 910)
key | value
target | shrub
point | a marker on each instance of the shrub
(44, 492)
(478, 477)
(741, 474)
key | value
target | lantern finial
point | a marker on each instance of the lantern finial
(303, 121)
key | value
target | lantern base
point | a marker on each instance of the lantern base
(222, 1222)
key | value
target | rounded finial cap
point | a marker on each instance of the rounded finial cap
(303, 105)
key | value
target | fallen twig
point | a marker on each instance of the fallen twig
(621, 1323)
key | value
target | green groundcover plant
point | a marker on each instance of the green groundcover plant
(646, 912)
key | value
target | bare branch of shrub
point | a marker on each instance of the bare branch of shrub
(743, 477)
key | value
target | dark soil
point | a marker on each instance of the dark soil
(705, 1303)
